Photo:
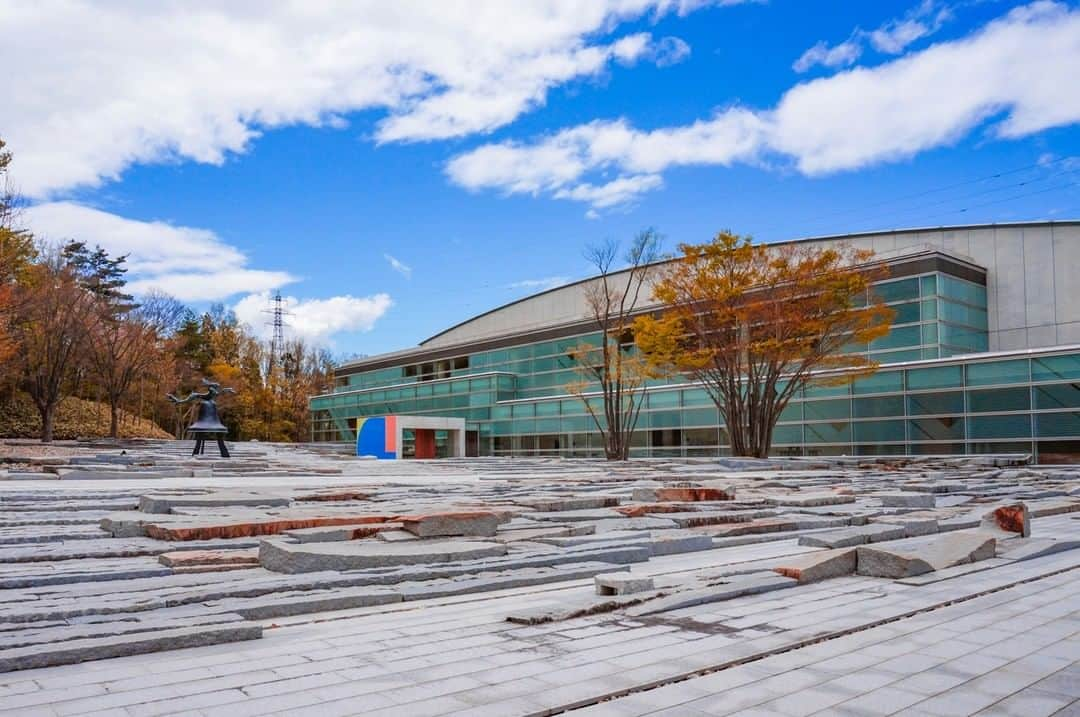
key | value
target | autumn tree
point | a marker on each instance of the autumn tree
(124, 346)
(17, 253)
(754, 324)
(612, 366)
(52, 318)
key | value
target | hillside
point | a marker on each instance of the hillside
(76, 418)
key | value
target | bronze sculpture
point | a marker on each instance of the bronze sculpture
(207, 423)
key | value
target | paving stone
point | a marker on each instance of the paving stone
(819, 566)
(333, 533)
(210, 529)
(562, 504)
(622, 584)
(913, 527)
(945, 551)
(477, 524)
(359, 554)
(683, 495)
(736, 587)
(72, 651)
(907, 500)
(810, 499)
(187, 558)
(859, 535)
(164, 503)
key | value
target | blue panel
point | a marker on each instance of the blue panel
(371, 439)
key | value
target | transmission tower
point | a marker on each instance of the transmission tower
(277, 342)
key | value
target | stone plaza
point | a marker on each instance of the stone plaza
(138, 580)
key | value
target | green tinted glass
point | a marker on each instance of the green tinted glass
(936, 377)
(999, 399)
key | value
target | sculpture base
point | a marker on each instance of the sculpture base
(200, 443)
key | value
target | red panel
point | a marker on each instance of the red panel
(391, 434)
(425, 442)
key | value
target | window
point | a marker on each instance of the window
(547, 408)
(701, 417)
(879, 431)
(962, 290)
(826, 410)
(880, 406)
(792, 412)
(821, 390)
(1061, 395)
(938, 449)
(983, 374)
(1014, 426)
(1051, 425)
(931, 403)
(668, 438)
(936, 377)
(1055, 368)
(663, 419)
(696, 397)
(787, 434)
(999, 399)
(881, 382)
(839, 432)
(898, 337)
(936, 429)
(663, 399)
(897, 290)
(701, 437)
(906, 313)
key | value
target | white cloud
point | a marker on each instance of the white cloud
(103, 86)
(189, 263)
(890, 38)
(398, 266)
(842, 55)
(618, 191)
(315, 320)
(548, 282)
(893, 38)
(1010, 73)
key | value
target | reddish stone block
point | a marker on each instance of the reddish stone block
(637, 511)
(694, 494)
(248, 529)
(1011, 518)
(189, 558)
(334, 497)
(478, 523)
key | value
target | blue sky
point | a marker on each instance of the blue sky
(396, 169)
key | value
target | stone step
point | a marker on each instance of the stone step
(73, 651)
(728, 589)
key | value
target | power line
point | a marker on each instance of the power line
(817, 220)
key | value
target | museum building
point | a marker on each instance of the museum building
(983, 357)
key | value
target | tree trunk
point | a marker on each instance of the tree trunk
(114, 420)
(48, 419)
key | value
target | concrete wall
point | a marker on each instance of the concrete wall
(1033, 291)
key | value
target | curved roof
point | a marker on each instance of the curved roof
(564, 306)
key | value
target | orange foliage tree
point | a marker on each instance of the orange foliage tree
(754, 324)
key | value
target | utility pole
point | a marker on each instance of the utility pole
(277, 346)
(277, 342)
